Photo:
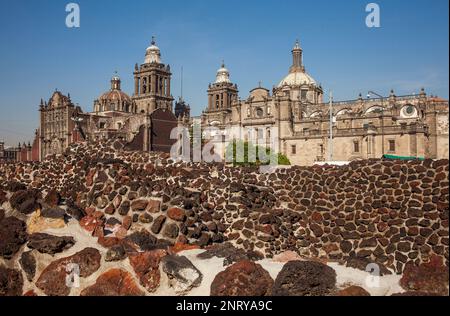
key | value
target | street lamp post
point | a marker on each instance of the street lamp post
(381, 117)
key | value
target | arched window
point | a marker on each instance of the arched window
(375, 109)
(343, 112)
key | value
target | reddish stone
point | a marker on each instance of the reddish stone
(98, 215)
(126, 222)
(441, 176)
(431, 277)
(329, 248)
(90, 177)
(30, 293)
(139, 205)
(110, 209)
(90, 223)
(11, 282)
(68, 167)
(13, 234)
(286, 256)
(233, 236)
(53, 280)
(98, 231)
(117, 200)
(146, 267)
(154, 206)
(150, 168)
(316, 229)
(52, 198)
(413, 231)
(90, 210)
(442, 206)
(266, 229)
(178, 247)
(382, 226)
(114, 282)
(176, 214)
(353, 291)
(244, 278)
(121, 232)
(108, 242)
(317, 217)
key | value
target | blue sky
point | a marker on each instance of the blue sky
(38, 53)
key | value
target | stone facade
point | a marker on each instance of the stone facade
(23, 152)
(182, 109)
(56, 126)
(294, 119)
(152, 83)
(115, 114)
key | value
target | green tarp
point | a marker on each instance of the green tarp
(402, 157)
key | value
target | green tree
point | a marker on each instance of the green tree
(252, 155)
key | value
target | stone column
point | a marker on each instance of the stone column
(154, 83)
(225, 99)
(147, 134)
(210, 107)
(142, 85)
(136, 85)
(168, 87)
(163, 92)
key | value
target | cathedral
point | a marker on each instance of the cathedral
(294, 120)
(144, 120)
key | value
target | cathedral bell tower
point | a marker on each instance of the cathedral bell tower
(152, 82)
(222, 93)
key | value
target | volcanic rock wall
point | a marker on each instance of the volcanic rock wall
(385, 212)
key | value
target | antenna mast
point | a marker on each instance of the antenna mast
(181, 82)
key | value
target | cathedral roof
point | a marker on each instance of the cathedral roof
(297, 75)
(114, 95)
(296, 79)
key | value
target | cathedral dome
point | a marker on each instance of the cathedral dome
(113, 96)
(153, 54)
(297, 75)
(115, 99)
(296, 79)
(223, 75)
